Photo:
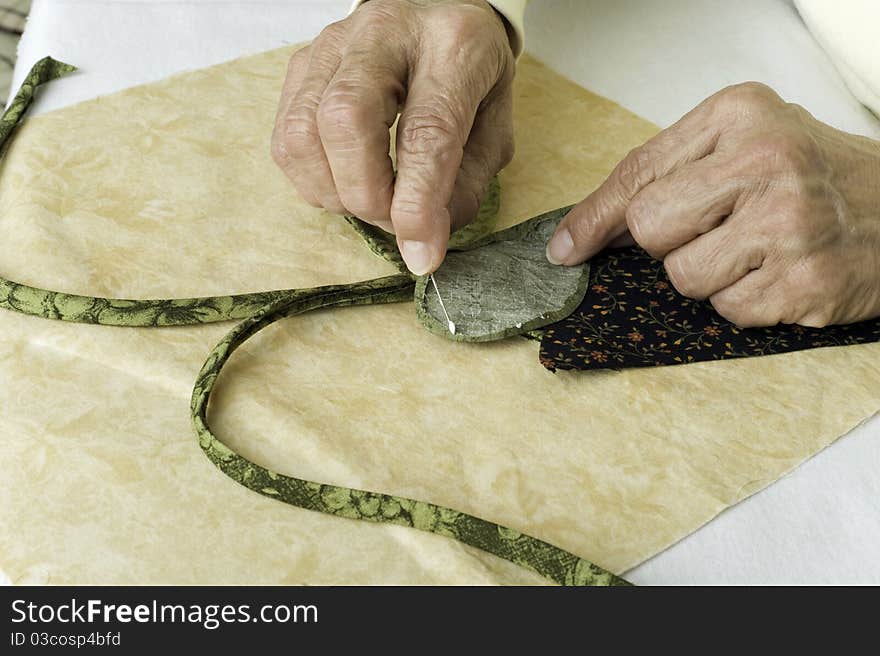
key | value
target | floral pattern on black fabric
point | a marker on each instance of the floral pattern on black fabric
(632, 316)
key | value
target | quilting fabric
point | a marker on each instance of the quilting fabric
(611, 467)
(632, 316)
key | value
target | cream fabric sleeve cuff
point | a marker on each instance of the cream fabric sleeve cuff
(848, 33)
(513, 10)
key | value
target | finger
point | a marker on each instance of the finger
(689, 202)
(715, 260)
(755, 300)
(601, 216)
(431, 134)
(306, 163)
(489, 149)
(296, 72)
(354, 116)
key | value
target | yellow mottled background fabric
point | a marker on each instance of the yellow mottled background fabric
(168, 190)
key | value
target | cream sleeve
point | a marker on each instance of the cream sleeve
(849, 31)
(512, 10)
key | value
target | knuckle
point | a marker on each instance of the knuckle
(680, 269)
(299, 135)
(730, 307)
(641, 221)
(332, 34)
(587, 229)
(635, 170)
(365, 203)
(821, 317)
(299, 59)
(465, 23)
(426, 131)
(746, 95)
(379, 15)
(343, 109)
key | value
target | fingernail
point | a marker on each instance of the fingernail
(560, 247)
(417, 255)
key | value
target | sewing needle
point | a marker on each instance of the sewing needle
(443, 306)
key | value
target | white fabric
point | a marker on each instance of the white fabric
(848, 31)
(821, 524)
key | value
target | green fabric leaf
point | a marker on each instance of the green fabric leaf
(502, 285)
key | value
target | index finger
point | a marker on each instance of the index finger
(431, 136)
(601, 217)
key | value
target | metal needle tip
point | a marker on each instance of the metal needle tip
(449, 322)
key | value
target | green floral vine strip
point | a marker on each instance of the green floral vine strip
(259, 310)
(132, 313)
(551, 562)
(45, 70)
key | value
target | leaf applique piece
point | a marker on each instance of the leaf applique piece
(502, 285)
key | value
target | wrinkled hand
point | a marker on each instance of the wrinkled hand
(448, 68)
(752, 203)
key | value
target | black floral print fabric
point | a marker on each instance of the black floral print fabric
(632, 316)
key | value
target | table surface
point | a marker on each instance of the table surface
(821, 523)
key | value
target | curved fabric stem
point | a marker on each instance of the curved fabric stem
(133, 313)
(552, 562)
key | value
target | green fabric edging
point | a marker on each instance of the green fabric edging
(259, 310)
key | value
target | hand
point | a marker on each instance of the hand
(447, 66)
(752, 203)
